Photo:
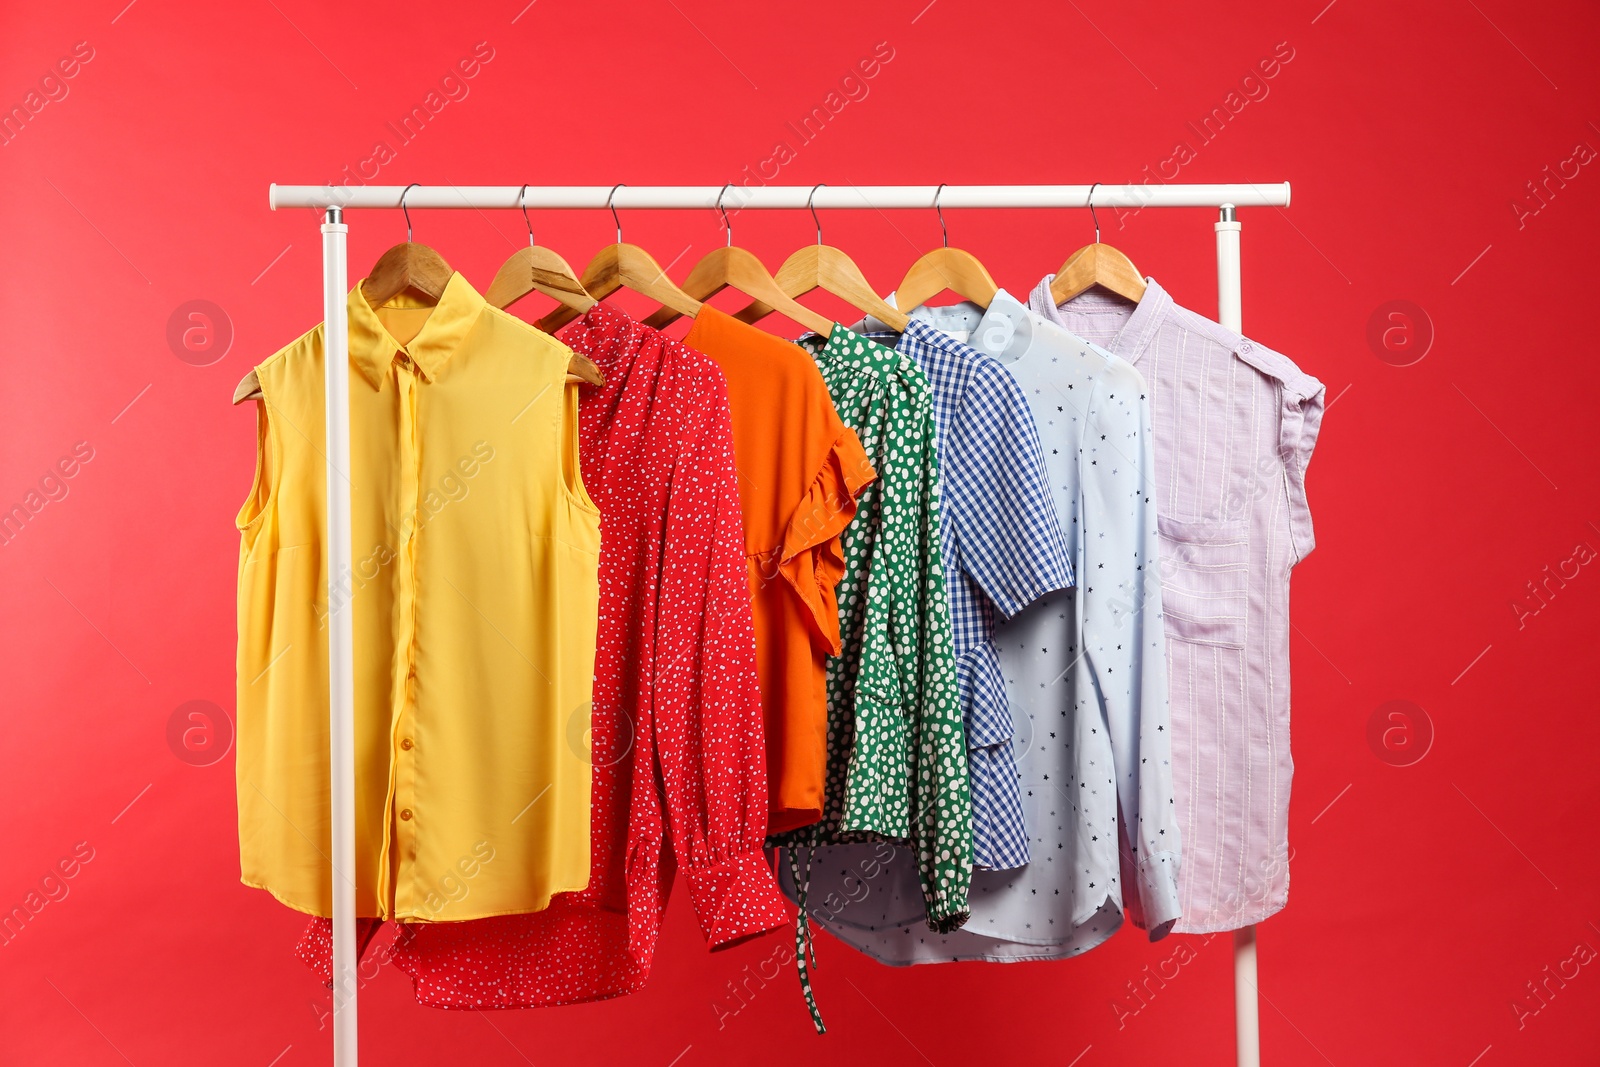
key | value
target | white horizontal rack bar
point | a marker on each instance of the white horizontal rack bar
(823, 197)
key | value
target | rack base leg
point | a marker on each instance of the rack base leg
(1246, 1001)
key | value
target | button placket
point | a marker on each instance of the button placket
(402, 818)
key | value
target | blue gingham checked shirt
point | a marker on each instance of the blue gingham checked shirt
(1003, 549)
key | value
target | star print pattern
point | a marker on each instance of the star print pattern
(1234, 425)
(677, 743)
(1085, 667)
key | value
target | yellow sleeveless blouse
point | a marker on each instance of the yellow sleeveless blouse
(474, 590)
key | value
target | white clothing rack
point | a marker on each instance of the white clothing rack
(333, 200)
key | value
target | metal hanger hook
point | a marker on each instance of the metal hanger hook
(404, 211)
(1092, 214)
(522, 202)
(613, 207)
(726, 225)
(811, 203)
(940, 212)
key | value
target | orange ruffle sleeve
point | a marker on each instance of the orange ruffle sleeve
(800, 471)
(811, 559)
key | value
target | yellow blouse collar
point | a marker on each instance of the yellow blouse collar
(373, 348)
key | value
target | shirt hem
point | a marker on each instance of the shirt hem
(1228, 925)
(1072, 948)
(319, 914)
(445, 1004)
(787, 819)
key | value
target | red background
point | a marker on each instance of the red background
(1425, 896)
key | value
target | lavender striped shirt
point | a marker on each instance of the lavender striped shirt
(1234, 426)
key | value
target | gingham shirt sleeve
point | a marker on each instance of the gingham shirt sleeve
(1011, 542)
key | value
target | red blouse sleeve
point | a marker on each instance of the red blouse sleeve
(707, 726)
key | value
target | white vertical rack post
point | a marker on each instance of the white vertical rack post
(1246, 1003)
(341, 675)
(341, 634)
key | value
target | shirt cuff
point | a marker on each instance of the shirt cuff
(1301, 422)
(1158, 894)
(948, 916)
(736, 899)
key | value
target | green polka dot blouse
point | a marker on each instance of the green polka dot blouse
(897, 758)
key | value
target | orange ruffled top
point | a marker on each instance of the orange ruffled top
(800, 471)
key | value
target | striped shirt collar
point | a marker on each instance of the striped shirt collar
(1142, 322)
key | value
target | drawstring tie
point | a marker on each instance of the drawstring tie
(803, 945)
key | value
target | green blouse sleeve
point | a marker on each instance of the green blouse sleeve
(943, 815)
(909, 766)
(897, 753)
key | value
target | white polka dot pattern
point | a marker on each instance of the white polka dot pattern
(897, 757)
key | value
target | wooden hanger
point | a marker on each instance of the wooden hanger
(405, 266)
(824, 267)
(422, 270)
(945, 268)
(736, 268)
(1097, 264)
(534, 269)
(249, 388)
(623, 266)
